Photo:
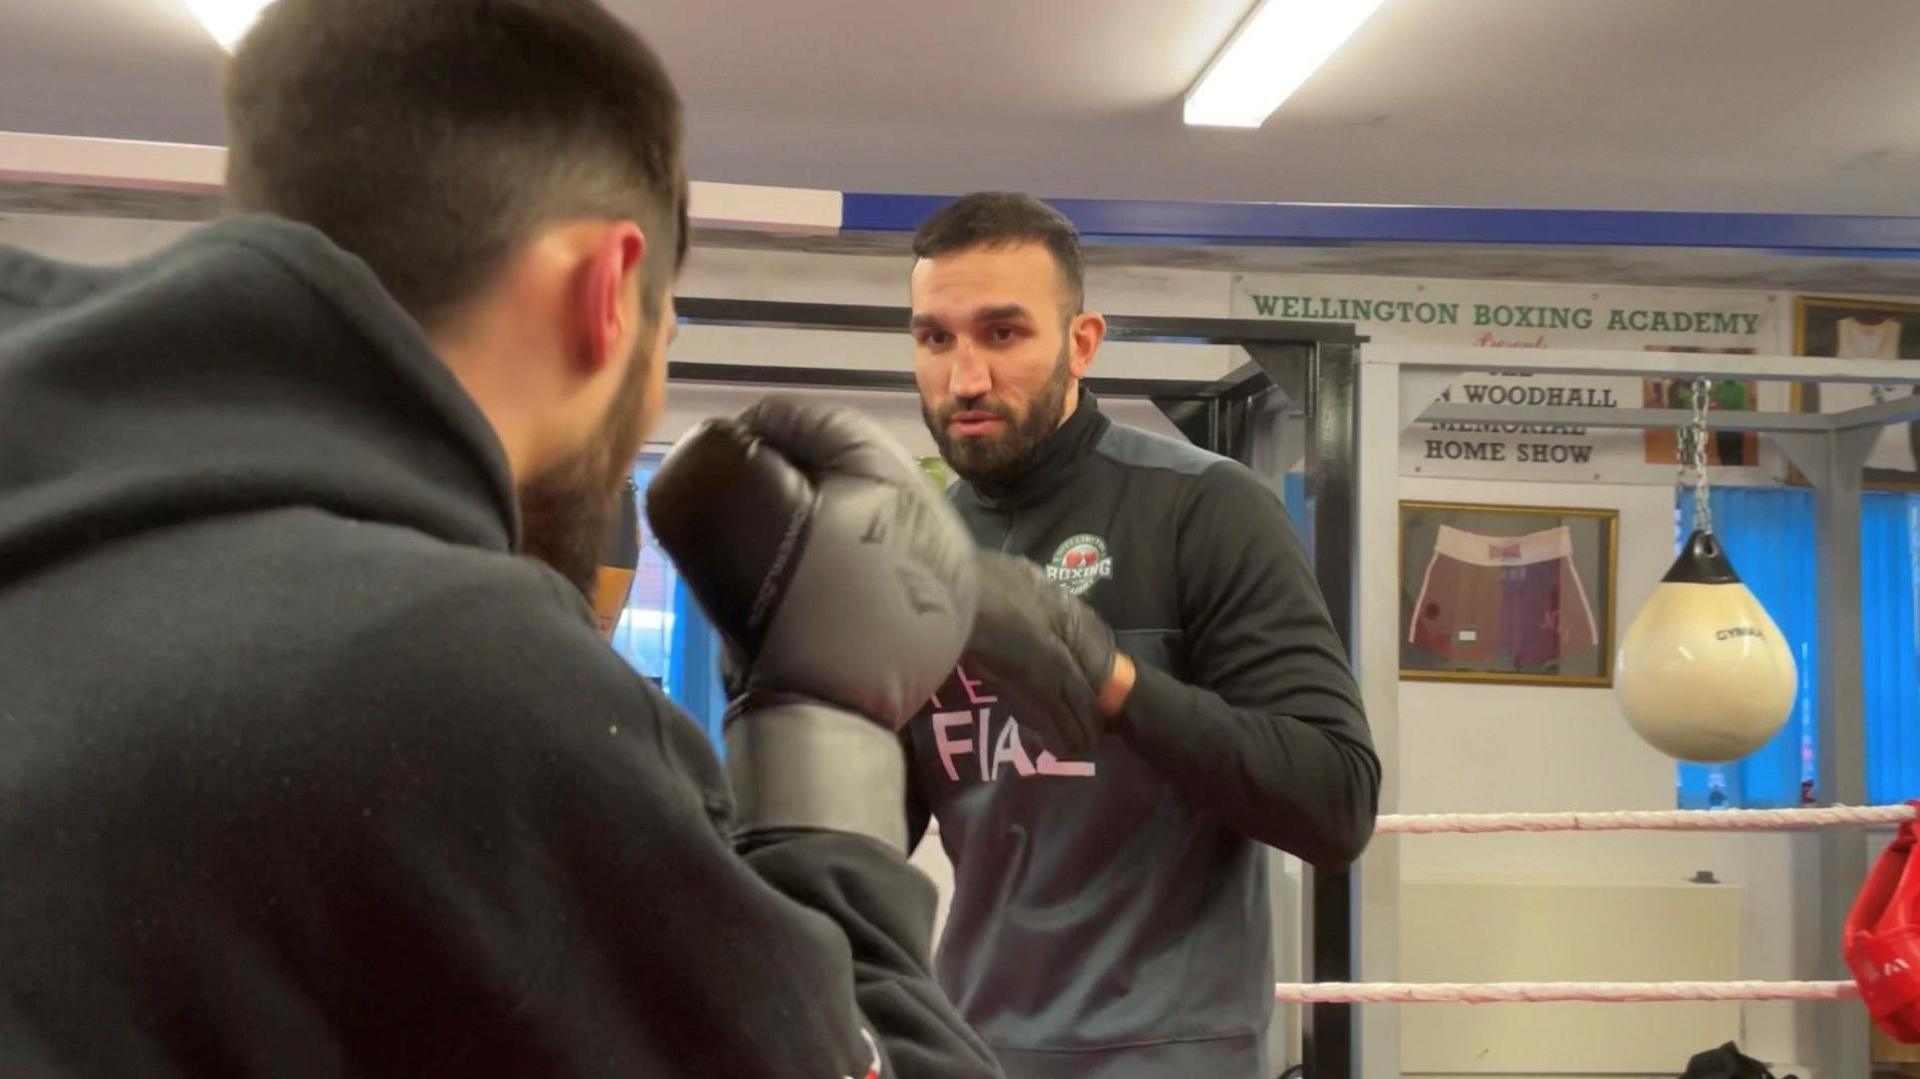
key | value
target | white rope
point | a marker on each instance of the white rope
(1679, 820)
(1554, 992)
(1670, 820)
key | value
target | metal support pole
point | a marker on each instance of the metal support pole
(1389, 396)
(1217, 416)
(1333, 451)
(1191, 416)
(1845, 1046)
(1233, 425)
(1221, 423)
(1832, 461)
(1290, 366)
(1323, 382)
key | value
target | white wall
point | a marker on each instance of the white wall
(104, 240)
(1518, 747)
(865, 279)
(898, 412)
(1473, 748)
(1462, 747)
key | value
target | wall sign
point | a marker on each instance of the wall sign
(1493, 314)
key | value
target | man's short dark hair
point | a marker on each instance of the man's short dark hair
(999, 218)
(433, 139)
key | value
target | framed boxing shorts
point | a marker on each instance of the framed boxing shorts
(1515, 600)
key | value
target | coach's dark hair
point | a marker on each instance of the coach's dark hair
(432, 139)
(997, 218)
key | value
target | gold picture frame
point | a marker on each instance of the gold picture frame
(1516, 595)
(1894, 464)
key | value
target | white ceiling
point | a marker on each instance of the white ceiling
(1769, 105)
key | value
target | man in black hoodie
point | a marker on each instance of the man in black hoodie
(304, 770)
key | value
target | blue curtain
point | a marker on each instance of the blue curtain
(1890, 677)
(663, 634)
(1769, 535)
(643, 635)
(693, 679)
(1293, 491)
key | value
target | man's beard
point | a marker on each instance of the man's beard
(1001, 458)
(567, 509)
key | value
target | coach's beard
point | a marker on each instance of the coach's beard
(1001, 459)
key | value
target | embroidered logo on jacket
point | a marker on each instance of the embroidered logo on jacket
(1080, 563)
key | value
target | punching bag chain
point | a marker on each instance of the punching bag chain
(1693, 456)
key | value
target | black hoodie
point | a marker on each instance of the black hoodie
(304, 772)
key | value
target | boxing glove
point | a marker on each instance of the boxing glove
(843, 587)
(1049, 648)
(1882, 938)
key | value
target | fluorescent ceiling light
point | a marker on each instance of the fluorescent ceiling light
(227, 20)
(1267, 59)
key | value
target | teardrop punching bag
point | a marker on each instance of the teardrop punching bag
(619, 557)
(1703, 673)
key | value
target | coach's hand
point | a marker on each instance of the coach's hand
(1049, 646)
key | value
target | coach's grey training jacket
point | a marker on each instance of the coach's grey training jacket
(1110, 915)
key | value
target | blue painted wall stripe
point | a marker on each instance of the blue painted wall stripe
(1147, 222)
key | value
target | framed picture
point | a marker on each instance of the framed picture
(1726, 449)
(1518, 594)
(1863, 330)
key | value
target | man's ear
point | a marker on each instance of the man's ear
(612, 275)
(1086, 332)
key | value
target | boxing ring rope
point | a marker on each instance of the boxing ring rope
(1683, 820)
(1555, 992)
(1670, 820)
(1679, 820)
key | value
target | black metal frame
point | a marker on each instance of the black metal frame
(1315, 365)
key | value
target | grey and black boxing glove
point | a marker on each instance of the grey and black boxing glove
(844, 588)
(1047, 646)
